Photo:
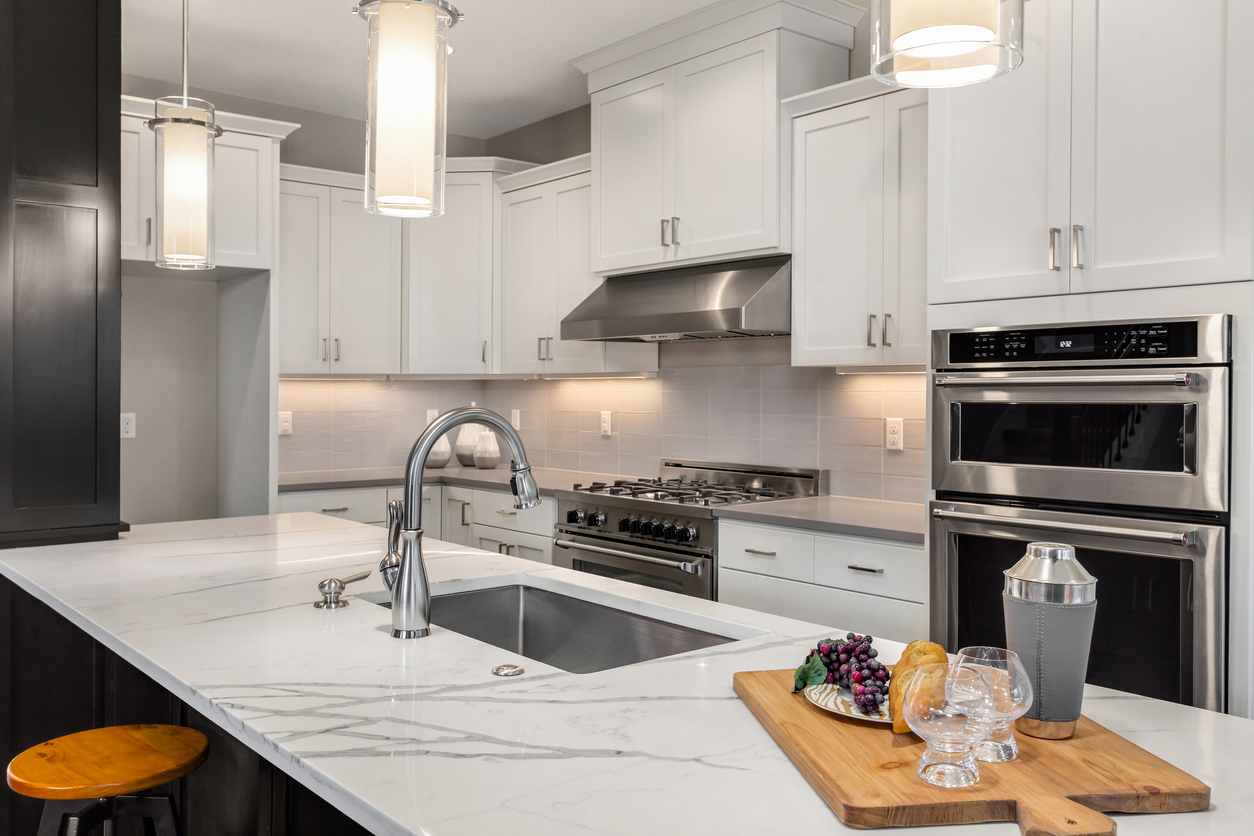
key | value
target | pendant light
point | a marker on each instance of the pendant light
(945, 43)
(185, 138)
(406, 103)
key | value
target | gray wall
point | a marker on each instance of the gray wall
(565, 135)
(169, 380)
(322, 141)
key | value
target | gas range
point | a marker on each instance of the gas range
(660, 531)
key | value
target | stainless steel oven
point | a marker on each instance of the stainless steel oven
(1113, 437)
(687, 571)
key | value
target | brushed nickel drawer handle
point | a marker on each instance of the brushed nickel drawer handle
(675, 231)
(870, 331)
(762, 553)
(1076, 229)
(1054, 232)
(865, 569)
(334, 510)
(464, 505)
(884, 333)
(508, 513)
(666, 229)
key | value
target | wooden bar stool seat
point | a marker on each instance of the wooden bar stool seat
(105, 766)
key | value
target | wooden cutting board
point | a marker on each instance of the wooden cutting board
(866, 774)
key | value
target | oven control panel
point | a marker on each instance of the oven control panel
(1062, 345)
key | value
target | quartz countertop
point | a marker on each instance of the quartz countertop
(417, 737)
(904, 521)
(547, 479)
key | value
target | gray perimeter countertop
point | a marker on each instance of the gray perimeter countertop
(903, 521)
(548, 479)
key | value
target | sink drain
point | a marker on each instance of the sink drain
(507, 670)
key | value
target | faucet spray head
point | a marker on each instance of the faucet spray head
(523, 484)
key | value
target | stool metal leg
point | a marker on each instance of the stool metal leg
(74, 818)
(155, 809)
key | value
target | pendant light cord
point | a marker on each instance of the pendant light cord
(185, 35)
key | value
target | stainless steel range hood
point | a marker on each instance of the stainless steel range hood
(732, 299)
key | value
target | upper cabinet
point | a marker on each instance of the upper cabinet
(860, 231)
(545, 249)
(246, 161)
(1115, 158)
(340, 286)
(687, 163)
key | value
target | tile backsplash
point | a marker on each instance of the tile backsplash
(776, 415)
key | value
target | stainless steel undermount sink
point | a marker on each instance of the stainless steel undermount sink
(569, 633)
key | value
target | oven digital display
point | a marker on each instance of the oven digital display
(1070, 344)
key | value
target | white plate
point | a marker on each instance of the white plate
(840, 701)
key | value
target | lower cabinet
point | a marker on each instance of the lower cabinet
(852, 583)
(456, 515)
(364, 505)
(514, 543)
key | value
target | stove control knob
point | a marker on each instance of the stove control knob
(575, 516)
(596, 518)
(635, 525)
(687, 533)
(670, 531)
(649, 527)
(624, 524)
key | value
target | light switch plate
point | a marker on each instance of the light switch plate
(432, 414)
(128, 425)
(605, 423)
(515, 418)
(894, 434)
(285, 423)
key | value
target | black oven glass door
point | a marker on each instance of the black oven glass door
(1157, 437)
(1160, 623)
(673, 571)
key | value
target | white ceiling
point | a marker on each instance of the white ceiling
(510, 67)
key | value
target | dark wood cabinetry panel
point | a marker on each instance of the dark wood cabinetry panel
(60, 270)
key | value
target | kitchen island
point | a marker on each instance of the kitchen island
(419, 736)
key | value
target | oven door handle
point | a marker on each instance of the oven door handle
(681, 565)
(1179, 379)
(1175, 538)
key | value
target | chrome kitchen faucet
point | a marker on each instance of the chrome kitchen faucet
(403, 571)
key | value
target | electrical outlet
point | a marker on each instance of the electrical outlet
(128, 425)
(605, 423)
(285, 423)
(432, 414)
(894, 434)
(515, 418)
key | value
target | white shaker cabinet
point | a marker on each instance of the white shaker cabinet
(137, 223)
(243, 200)
(545, 274)
(1162, 143)
(341, 280)
(859, 233)
(1117, 157)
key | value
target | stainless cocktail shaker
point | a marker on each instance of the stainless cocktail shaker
(1050, 601)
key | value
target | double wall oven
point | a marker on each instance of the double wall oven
(1110, 436)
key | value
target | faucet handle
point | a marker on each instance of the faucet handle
(333, 588)
(390, 566)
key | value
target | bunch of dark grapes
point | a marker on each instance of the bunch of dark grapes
(851, 664)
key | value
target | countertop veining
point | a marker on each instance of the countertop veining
(417, 737)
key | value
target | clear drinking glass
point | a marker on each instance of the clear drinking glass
(951, 708)
(1011, 688)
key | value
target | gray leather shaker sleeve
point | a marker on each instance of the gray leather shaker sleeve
(1053, 642)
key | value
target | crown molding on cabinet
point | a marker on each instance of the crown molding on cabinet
(714, 27)
(233, 122)
(847, 92)
(500, 166)
(546, 173)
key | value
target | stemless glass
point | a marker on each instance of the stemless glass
(1011, 688)
(951, 708)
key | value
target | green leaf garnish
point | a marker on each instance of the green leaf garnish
(811, 672)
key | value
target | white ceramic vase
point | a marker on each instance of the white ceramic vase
(467, 438)
(487, 451)
(440, 453)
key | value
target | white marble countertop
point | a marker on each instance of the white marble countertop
(412, 737)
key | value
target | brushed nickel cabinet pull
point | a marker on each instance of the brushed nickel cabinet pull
(324, 349)
(148, 241)
(335, 510)
(1076, 229)
(507, 513)
(483, 354)
(539, 348)
(865, 569)
(548, 348)
(464, 504)
(884, 333)
(666, 232)
(337, 349)
(870, 331)
(1054, 232)
(675, 231)
(762, 553)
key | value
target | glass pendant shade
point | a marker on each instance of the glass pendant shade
(185, 132)
(406, 100)
(945, 43)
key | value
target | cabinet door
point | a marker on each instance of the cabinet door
(365, 288)
(999, 173)
(570, 206)
(633, 165)
(526, 279)
(305, 280)
(726, 193)
(532, 547)
(904, 330)
(243, 200)
(138, 188)
(838, 235)
(1162, 167)
(449, 282)
(458, 515)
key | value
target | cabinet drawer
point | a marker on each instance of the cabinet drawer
(839, 609)
(366, 505)
(766, 550)
(514, 543)
(860, 564)
(496, 508)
